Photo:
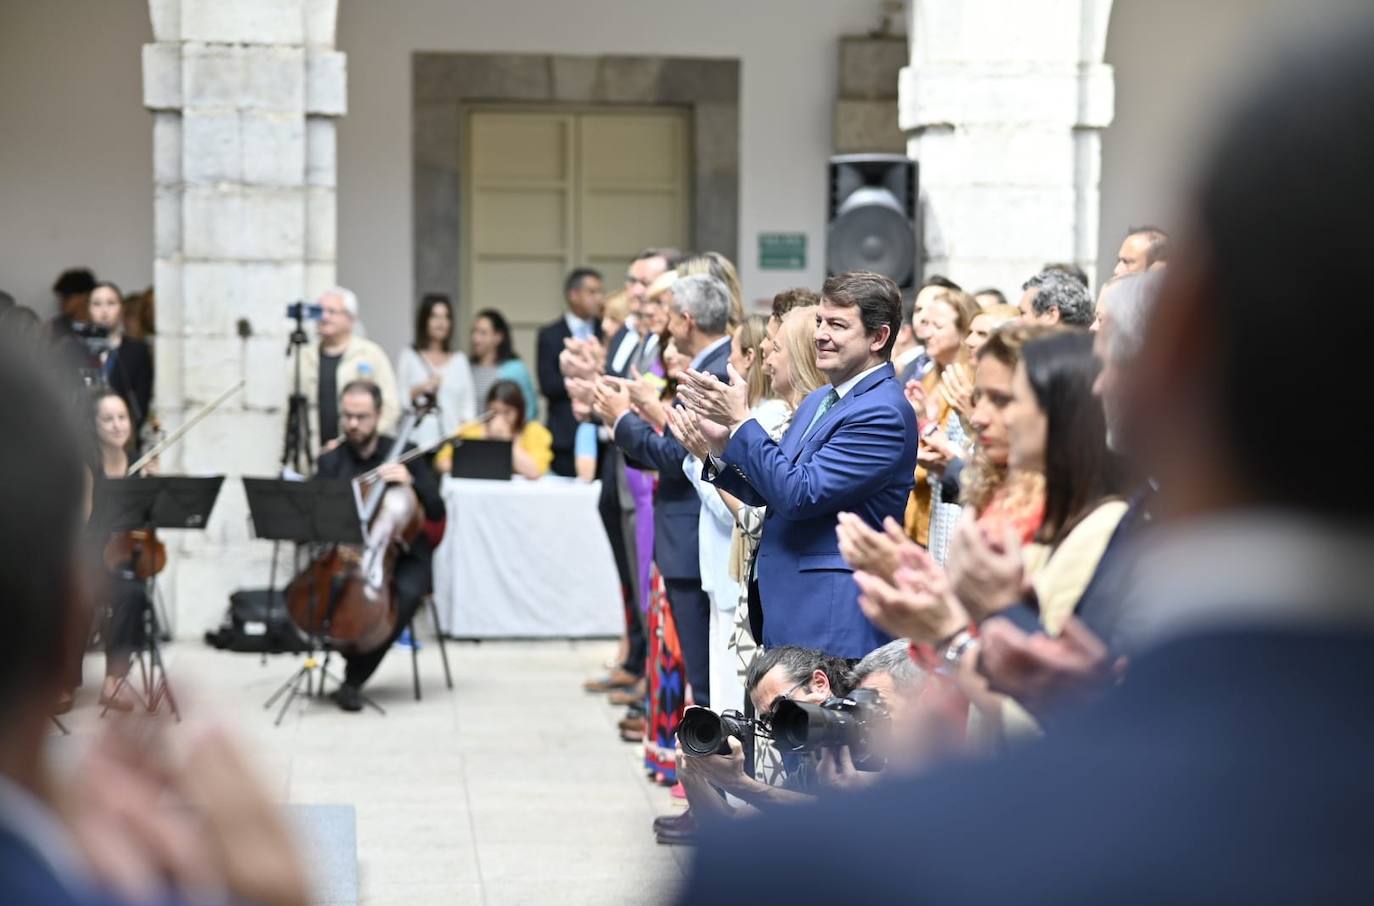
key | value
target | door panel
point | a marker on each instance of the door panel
(547, 189)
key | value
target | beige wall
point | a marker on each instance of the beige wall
(789, 55)
(76, 146)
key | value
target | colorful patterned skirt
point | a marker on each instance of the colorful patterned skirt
(667, 682)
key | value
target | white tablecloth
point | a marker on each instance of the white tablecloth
(525, 559)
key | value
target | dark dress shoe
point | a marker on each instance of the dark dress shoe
(632, 723)
(348, 698)
(631, 735)
(673, 837)
(681, 821)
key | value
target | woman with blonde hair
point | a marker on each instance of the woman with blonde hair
(790, 366)
(940, 401)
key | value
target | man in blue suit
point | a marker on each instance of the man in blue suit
(1232, 763)
(698, 320)
(851, 447)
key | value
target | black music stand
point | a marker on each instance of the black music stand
(306, 512)
(165, 502)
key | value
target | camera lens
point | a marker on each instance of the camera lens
(700, 732)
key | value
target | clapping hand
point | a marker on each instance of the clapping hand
(580, 390)
(700, 437)
(918, 604)
(158, 814)
(611, 401)
(956, 386)
(707, 396)
(986, 574)
(916, 395)
(935, 451)
(874, 552)
(1042, 671)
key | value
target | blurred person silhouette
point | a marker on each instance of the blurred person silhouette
(121, 828)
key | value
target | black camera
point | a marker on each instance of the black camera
(304, 311)
(94, 337)
(704, 732)
(856, 720)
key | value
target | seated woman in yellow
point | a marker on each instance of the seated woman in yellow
(532, 444)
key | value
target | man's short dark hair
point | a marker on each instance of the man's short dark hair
(1068, 267)
(41, 489)
(878, 299)
(74, 281)
(671, 256)
(364, 386)
(1252, 201)
(1158, 248)
(798, 664)
(990, 291)
(1056, 289)
(789, 299)
(575, 278)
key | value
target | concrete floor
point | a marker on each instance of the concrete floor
(512, 788)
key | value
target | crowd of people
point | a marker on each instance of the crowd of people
(787, 495)
(996, 601)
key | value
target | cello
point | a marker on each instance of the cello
(344, 595)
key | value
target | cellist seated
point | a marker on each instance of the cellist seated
(364, 450)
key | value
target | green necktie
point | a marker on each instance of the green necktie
(831, 399)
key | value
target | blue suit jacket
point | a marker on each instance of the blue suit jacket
(27, 879)
(677, 508)
(1229, 768)
(860, 458)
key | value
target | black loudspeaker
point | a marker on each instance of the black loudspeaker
(872, 216)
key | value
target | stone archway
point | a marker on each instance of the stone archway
(1003, 106)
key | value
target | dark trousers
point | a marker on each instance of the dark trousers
(564, 463)
(609, 510)
(123, 626)
(692, 614)
(412, 581)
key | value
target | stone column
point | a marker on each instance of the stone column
(245, 96)
(1003, 105)
(866, 103)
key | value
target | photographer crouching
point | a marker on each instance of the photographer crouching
(833, 726)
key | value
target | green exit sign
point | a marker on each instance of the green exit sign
(782, 251)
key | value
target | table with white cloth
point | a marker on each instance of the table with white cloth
(526, 559)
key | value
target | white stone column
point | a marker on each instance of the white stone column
(245, 96)
(1003, 106)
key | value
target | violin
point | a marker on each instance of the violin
(344, 595)
(138, 551)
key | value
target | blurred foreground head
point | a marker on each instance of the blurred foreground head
(1233, 404)
(42, 493)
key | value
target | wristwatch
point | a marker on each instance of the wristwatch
(953, 651)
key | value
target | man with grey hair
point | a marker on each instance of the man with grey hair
(697, 319)
(341, 358)
(1054, 297)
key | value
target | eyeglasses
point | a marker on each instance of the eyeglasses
(766, 718)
